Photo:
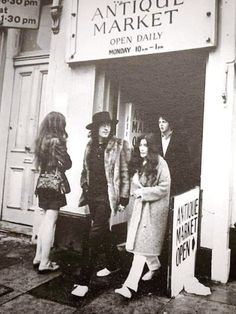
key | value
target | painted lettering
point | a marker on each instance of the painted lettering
(119, 51)
(183, 252)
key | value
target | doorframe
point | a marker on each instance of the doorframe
(12, 46)
(13, 60)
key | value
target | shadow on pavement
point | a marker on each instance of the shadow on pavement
(59, 289)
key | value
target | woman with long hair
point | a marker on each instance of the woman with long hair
(51, 156)
(149, 202)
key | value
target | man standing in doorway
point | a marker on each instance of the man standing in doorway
(105, 184)
(174, 148)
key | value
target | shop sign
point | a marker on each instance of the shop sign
(184, 239)
(137, 122)
(115, 28)
(19, 13)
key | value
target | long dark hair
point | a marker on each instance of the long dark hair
(94, 135)
(95, 130)
(136, 163)
(52, 128)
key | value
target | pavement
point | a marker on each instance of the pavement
(23, 290)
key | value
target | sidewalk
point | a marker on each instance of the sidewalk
(23, 290)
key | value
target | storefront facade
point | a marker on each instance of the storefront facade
(196, 82)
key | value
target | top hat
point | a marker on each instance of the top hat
(99, 118)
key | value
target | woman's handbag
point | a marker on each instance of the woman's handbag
(51, 181)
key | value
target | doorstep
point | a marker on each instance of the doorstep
(6, 226)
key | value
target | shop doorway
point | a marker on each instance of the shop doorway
(150, 85)
(170, 82)
(165, 83)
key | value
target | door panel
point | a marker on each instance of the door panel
(15, 180)
(27, 106)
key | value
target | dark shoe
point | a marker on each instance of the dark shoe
(36, 264)
(50, 267)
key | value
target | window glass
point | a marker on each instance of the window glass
(36, 40)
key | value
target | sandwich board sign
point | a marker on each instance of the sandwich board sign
(185, 222)
(19, 13)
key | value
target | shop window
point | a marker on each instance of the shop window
(38, 40)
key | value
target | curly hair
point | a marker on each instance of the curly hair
(52, 130)
(136, 163)
(95, 130)
(94, 135)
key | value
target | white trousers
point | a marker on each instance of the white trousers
(136, 269)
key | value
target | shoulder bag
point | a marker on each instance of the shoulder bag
(51, 181)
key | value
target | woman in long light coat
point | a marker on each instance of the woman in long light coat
(149, 202)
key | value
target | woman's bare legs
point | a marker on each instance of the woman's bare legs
(47, 231)
(38, 252)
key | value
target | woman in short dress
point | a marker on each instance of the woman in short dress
(50, 154)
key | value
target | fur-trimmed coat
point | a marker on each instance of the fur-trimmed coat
(116, 159)
(148, 222)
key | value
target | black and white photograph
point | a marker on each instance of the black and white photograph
(118, 156)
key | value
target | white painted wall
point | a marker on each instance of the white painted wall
(3, 36)
(233, 143)
(216, 178)
(71, 91)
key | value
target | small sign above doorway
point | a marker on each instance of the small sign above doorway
(19, 13)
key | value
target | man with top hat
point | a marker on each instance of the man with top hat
(105, 184)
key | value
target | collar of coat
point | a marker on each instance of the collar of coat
(166, 136)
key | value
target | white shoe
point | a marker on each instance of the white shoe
(106, 272)
(48, 268)
(79, 291)
(124, 291)
(149, 275)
